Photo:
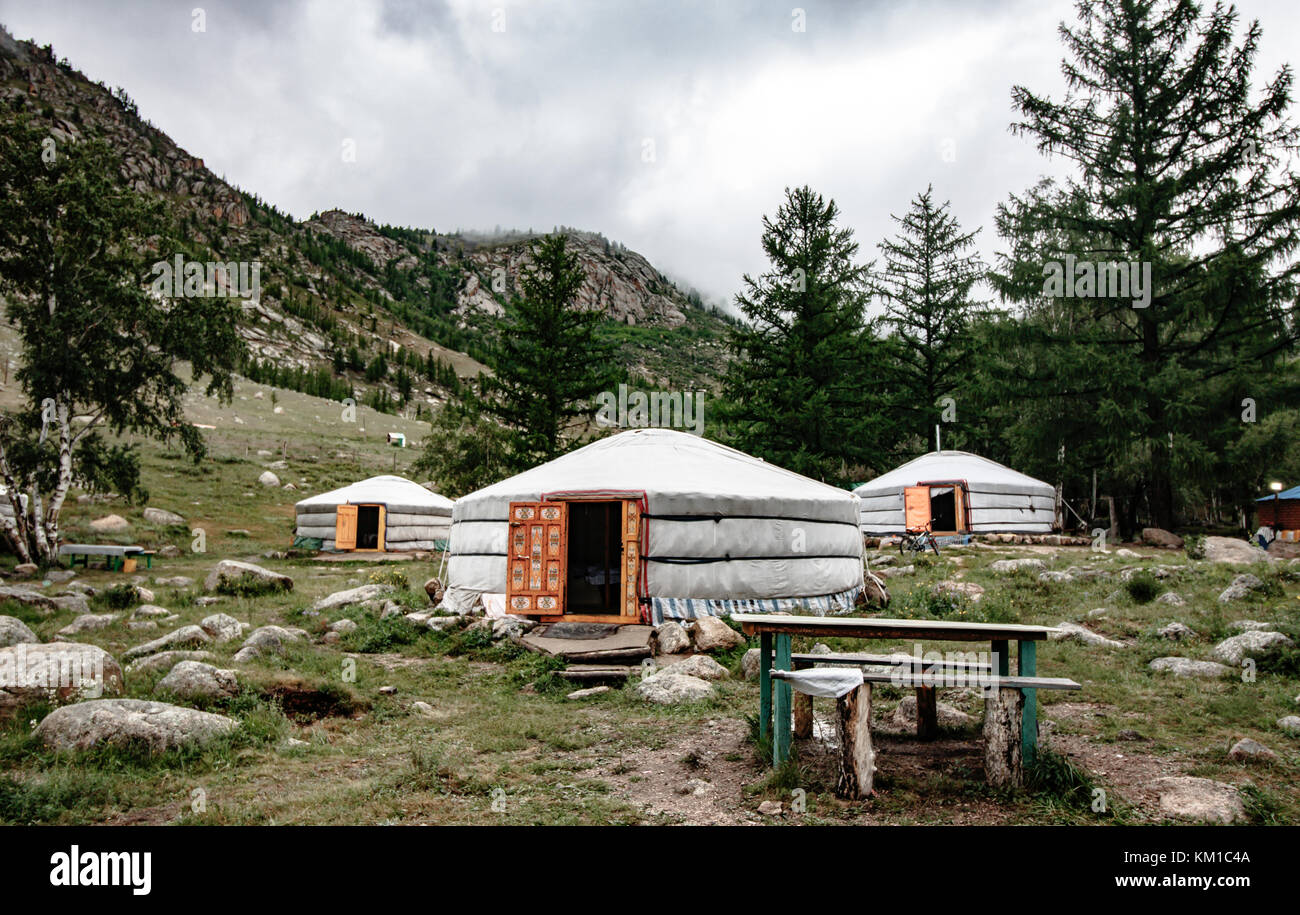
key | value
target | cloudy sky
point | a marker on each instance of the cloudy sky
(669, 126)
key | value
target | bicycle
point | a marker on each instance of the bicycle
(917, 542)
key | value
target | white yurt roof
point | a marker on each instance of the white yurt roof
(677, 471)
(957, 465)
(383, 490)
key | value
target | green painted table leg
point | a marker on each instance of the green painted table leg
(764, 684)
(1002, 659)
(1029, 722)
(781, 704)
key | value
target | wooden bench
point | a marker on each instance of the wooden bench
(927, 712)
(114, 556)
(1004, 706)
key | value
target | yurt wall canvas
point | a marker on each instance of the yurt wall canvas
(652, 524)
(385, 513)
(954, 492)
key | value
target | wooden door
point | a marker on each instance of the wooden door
(345, 528)
(916, 507)
(631, 607)
(379, 541)
(537, 554)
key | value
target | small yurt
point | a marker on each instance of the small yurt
(1281, 511)
(954, 492)
(385, 513)
(654, 524)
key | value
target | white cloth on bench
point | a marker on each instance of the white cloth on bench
(828, 682)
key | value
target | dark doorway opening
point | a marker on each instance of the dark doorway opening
(595, 557)
(943, 510)
(368, 527)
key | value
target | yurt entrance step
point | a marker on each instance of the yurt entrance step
(599, 673)
(591, 643)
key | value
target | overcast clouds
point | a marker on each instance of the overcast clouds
(546, 122)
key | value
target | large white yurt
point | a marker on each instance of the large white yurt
(382, 513)
(954, 492)
(655, 524)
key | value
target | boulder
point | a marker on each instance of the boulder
(267, 640)
(671, 638)
(1171, 598)
(1009, 566)
(1125, 553)
(230, 571)
(667, 688)
(1232, 550)
(1235, 649)
(1248, 750)
(967, 589)
(109, 524)
(343, 626)
(1200, 799)
(700, 665)
(353, 596)
(711, 634)
(175, 581)
(1250, 626)
(587, 693)
(222, 627)
(184, 637)
(149, 612)
(196, 680)
(120, 722)
(166, 660)
(749, 664)
(26, 570)
(508, 627)
(1240, 588)
(1047, 577)
(1156, 536)
(42, 602)
(13, 631)
(1176, 632)
(1076, 633)
(162, 516)
(59, 671)
(1290, 724)
(896, 571)
(268, 479)
(170, 552)
(1186, 667)
(89, 622)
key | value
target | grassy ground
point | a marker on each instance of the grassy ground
(503, 745)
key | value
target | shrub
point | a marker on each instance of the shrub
(1194, 545)
(247, 585)
(1143, 587)
(395, 577)
(118, 597)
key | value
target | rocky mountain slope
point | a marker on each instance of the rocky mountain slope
(348, 306)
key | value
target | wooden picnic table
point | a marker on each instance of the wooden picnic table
(777, 630)
(115, 555)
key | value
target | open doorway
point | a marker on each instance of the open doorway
(595, 553)
(368, 518)
(943, 509)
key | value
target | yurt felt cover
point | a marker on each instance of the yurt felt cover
(1001, 499)
(722, 531)
(415, 518)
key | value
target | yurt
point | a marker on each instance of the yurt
(654, 524)
(954, 492)
(1281, 511)
(382, 513)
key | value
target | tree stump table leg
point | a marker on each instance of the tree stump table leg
(803, 716)
(927, 713)
(857, 758)
(1003, 759)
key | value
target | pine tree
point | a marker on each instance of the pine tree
(1179, 167)
(925, 286)
(549, 360)
(797, 391)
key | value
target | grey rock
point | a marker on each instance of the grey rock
(267, 640)
(166, 660)
(1076, 633)
(1240, 588)
(268, 479)
(60, 671)
(667, 688)
(175, 581)
(13, 631)
(343, 626)
(749, 664)
(1200, 799)
(1186, 667)
(185, 637)
(352, 596)
(1176, 632)
(1171, 598)
(89, 622)
(158, 725)
(711, 634)
(196, 680)
(162, 516)
(1235, 649)
(672, 638)
(700, 665)
(1246, 750)
(1250, 626)
(222, 627)
(1231, 550)
(109, 523)
(588, 693)
(1009, 566)
(229, 571)
(29, 597)
(1290, 724)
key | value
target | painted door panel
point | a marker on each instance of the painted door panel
(537, 553)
